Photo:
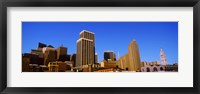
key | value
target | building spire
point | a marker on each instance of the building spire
(163, 57)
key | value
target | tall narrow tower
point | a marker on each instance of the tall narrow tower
(163, 57)
(134, 56)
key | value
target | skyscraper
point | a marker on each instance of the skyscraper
(61, 53)
(73, 59)
(131, 60)
(163, 57)
(40, 54)
(109, 55)
(85, 49)
(96, 58)
(49, 55)
(134, 56)
(88, 35)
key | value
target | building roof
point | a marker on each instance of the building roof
(86, 31)
(84, 39)
(41, 45)
(50, 46)
(108, 51)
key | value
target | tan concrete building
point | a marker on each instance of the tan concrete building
(85, 49)
(145, 63)
(153, 68)
(53, 66)
(108, 64)
(88, 35)
(85, 52)
(131, 60)
(134, 56)
(123, 62)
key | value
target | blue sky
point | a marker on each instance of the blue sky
(115, 36)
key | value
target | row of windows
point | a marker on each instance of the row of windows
(154, 69)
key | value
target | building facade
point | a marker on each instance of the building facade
(40, 55)
(73, 59)
(108, 64)
(85, 54)
(153, 68)
(25, 63)
(50, 55)
(96, 58)
(109, 55)
(134, 56)
(123, 62)
(41, 46)
(131, 60)
(61, 53)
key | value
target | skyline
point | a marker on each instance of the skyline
(108, 36)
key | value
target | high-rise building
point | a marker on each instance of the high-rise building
(85, 54)
(109, 55)
(41, 45)
(49, 55)
(96, 58)
(40, 56)
(134, 56)
(88, 35)
(131, 60)
(25, 63)
(61, 53)
(163, 57)
(115, 57)
(123, 62)
(73, 59)
(37, 52)
(34, 58)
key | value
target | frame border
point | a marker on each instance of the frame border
(103, 3)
